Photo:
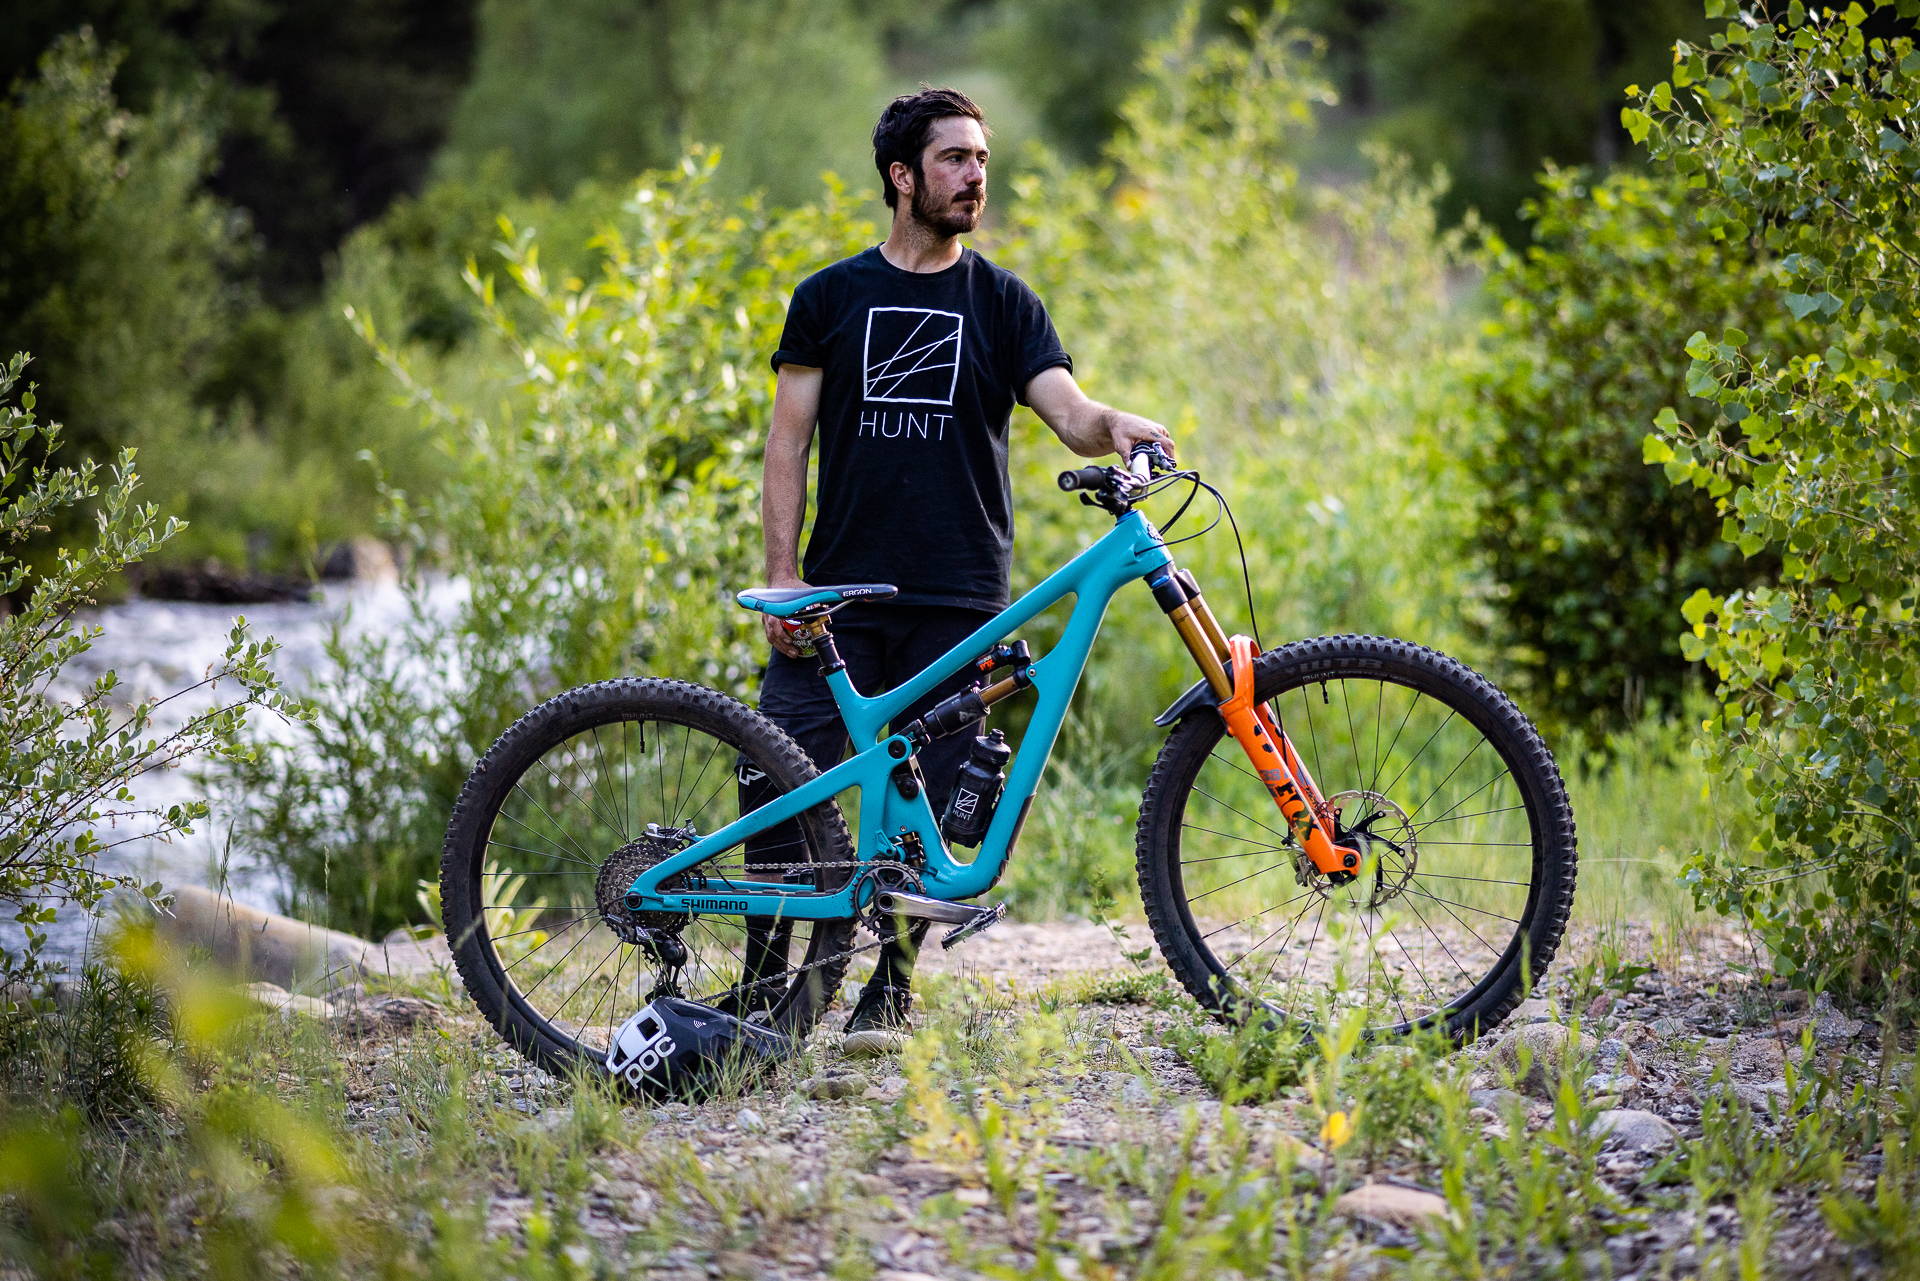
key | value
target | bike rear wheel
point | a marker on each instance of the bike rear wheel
(1467, 837)
(573, 801)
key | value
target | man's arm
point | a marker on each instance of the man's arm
(1084, 425)
(783, 484)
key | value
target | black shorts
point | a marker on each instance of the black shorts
(882, 646)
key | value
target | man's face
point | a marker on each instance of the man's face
(951, 190)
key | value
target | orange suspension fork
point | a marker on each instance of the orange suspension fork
(1227, 663)
(1274, 760)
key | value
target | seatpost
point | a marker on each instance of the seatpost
(814, 634)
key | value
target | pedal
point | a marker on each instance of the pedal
(983, 918)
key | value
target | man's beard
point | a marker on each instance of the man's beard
(946, 220)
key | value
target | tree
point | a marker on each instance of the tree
(114, 263)
(1590, 547)
(607, 88)
(1798, 130)
(67, 767)
(322, 113)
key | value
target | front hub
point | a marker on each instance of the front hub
(1380, 831)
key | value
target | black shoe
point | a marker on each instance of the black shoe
(754, 1005)
(879, 1024)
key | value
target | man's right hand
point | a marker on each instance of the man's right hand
(777, 629)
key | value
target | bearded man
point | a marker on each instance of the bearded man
(906, 360)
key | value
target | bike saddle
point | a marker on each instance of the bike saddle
(785, 602)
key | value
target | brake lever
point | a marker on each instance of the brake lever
(1144, 458)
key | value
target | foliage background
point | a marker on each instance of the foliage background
(456, 275)
(1301, 235)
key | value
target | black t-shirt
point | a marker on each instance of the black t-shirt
(920, 371)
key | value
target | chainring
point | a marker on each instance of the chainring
(877, 877)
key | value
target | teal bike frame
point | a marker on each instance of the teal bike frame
(889, 820)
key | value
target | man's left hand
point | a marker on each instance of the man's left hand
(1131, 429)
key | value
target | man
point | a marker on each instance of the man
(907, 359)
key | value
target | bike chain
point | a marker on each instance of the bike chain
(794, 970)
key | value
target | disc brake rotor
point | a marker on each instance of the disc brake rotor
(1384, 836)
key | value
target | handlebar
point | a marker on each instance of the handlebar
(1146, 458)
(1085, 478)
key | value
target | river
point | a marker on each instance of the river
(158, 647)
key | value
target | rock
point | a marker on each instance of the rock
(1252, 1192)
(1613, 1085)
(1757, 1097)
(886, 1091)
(211, 582)
(386, 1014)
(1135, 1092)
(1535, 1054)
(367, 559)
(1306, 1157)
(288, 1003)
(1830, 1027)
(1612, 1056)
(1534, 1009)
(1391, 1204)
(1495, 1101)
(1758, 1056)
(1599, 1005)
(1670, 1026)
(1633, 1032)
(833, 1087)
(749, 1120)
(287, 952)
(1636, 1131)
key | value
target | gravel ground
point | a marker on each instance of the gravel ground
(829, 1142)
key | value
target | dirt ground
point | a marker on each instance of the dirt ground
(857, 1168)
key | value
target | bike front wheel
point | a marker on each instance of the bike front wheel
(574, 800)
(1467, 841)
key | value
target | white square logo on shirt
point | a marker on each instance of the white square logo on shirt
(912, 355)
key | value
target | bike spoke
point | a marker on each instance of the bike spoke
(543, 854)
(1195, 827)
(1250, 818)
(1458, 818)
(683, 819)
(1423, 750)
(1415, 758)
(1478, 743)
(1242, 881)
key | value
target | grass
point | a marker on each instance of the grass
(1095, 1125)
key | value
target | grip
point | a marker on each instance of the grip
(1083, 478)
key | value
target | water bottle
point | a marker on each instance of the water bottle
(976, 790)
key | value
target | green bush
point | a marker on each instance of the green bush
(112, 268)
(1798, 129)
(1300, 340)
(67, 767)
(130, 283)
(593, 526)
(1589, 547)
(598, 89)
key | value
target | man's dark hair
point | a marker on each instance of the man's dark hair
(906, 124)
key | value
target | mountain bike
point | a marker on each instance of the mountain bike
(1338, 821)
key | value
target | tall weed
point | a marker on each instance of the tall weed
(597, 520)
